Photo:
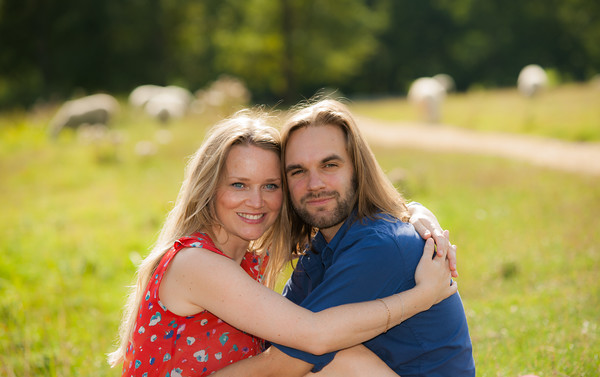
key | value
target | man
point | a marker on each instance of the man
(364, 249)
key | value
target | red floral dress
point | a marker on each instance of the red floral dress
(165, 344)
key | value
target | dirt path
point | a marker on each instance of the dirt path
(583, 158)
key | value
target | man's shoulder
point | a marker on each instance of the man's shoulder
(381, 238)
(384, 227)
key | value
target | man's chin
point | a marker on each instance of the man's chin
(324, 222)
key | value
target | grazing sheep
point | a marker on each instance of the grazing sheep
(446, 80)
(94, 109)
(227, 94)
(142, 94)
(532, 79)
(428, 95)
(162, 102)
(145, 148)
(595, 81)
(168, 104)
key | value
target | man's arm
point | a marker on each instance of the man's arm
(272, 362)
(354, 361)
(357, 361)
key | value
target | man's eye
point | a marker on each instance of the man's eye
(295, 172)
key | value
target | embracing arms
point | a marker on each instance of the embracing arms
(427, 225)
(202, 280)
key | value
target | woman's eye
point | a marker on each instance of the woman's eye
(238, 185)
(271, 186)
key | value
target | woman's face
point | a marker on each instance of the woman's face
(249, 194)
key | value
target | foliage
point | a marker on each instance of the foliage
(481, 42)
(285, 49)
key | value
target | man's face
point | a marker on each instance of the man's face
(320, 177)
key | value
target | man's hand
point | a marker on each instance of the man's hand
(427, 225)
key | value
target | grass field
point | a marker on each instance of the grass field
(570, 112)
(77, 215)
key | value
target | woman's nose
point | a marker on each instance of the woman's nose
(255, 199)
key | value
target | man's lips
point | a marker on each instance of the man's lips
(318, 201)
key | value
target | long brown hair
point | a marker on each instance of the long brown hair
(194, 209)
(375, 193)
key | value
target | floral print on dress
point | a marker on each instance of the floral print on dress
(164, 344)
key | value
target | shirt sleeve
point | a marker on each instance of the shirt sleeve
(365, 267)
(295, 289)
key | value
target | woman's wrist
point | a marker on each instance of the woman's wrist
(425, 296)
(406, 304)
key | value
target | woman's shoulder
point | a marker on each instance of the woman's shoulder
(197, 240)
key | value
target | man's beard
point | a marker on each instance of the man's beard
(340, 213)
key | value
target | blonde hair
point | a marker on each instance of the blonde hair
(194, 209)
(375, 194)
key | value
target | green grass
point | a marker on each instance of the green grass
(570, 112)
(528, 258)
(76, 217)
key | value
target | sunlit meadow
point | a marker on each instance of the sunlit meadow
(78, 214)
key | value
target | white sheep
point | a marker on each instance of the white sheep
(595, 81)
(142, 94)
(428, 95)
(162, 102)
(90, 110)
(446, 80)
(226, 94)
(532, 79)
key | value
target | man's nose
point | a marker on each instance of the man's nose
(315, 181)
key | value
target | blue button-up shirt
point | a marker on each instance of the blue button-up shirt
(371, 259)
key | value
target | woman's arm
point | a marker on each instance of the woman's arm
(199, 279)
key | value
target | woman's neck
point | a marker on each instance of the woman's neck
(231, 246)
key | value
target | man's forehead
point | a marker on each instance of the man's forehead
(314, 134)
(315, 147)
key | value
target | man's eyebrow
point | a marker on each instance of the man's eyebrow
(332, 156)
(329, 158)
(291, 167)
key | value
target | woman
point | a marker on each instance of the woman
(194, 308)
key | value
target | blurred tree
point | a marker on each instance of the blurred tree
(579, 37)
(138, 35)
(286, 49)
(193, 44)
(482, 42)
(290, 48)
(50, 46)
(413, 44)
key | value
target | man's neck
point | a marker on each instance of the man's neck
(329, 233)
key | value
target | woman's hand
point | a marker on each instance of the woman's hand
(427, 225)
(433, 275)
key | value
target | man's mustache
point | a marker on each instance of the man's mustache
(319, 195)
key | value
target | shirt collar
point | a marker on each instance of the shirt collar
(320, 244)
